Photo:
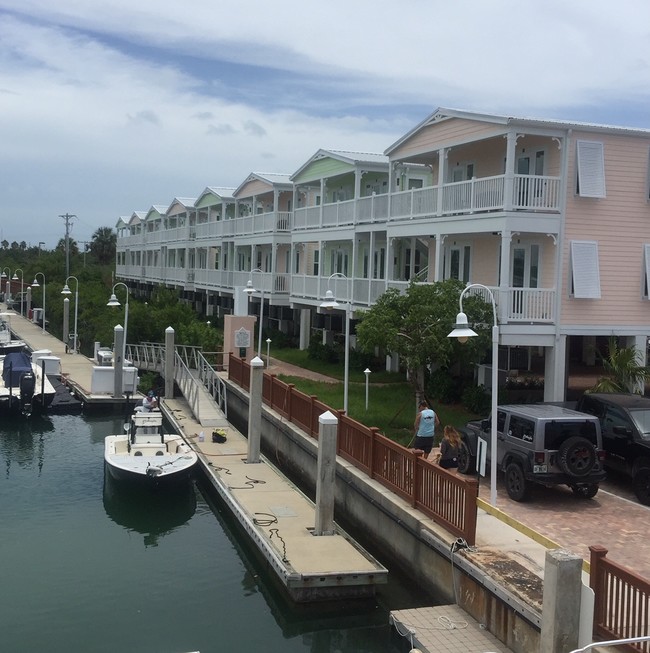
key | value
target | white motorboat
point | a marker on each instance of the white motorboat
(7, 343)
(146, 454)
(24, 385)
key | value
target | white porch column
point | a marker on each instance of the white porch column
(504, 275)
(414, 244)
(439, 272)
(371, 265)
(555, 370)
(509, 181)
(388, 263)
(305, 328)
(322, 201)
(442, 170)
(640, 344)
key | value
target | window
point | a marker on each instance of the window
(585, 274)
(379, 263)
(521, 428)
(591, 169)
(458, 262)
(316, 259)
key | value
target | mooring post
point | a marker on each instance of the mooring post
(255, 410)
(561, 600)
(326, 474)
(118, 361)
(169, 362)
(66, 323)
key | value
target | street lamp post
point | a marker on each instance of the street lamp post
(66, 291)
(367, 373)
(4, 276)
(463, 332)
(113, 301)
(35, 284)
(329, 304)
(268, 351)
(249, 290)
(22, 285)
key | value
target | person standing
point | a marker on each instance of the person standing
(425, 428)
(449, 448)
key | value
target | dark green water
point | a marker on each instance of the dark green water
(85, 566)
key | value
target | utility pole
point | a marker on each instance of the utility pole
(68, 218)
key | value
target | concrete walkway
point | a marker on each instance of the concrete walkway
(287, 369)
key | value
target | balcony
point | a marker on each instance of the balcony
(523, 305)
(272, 222)
(536, 193)
(529, 193)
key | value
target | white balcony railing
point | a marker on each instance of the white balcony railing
(522, 304)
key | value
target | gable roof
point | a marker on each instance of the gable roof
(441, 114)
(271, 178)
(345, 156)
(221, 192)
(185, 202)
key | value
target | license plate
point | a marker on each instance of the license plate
(540, 469)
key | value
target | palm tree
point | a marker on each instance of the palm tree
(623, 370)
(103, 245)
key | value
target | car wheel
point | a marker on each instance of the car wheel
(516, 485)
(465, 459)
(577, 456)
(586, 490)
(641, 484)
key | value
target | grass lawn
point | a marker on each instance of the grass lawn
(391, 406)
(336, 370)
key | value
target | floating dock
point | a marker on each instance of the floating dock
(279, 519)
(444, 628)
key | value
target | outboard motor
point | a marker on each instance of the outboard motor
(26, 386)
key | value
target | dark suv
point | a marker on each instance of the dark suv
(540, 443)
(625, 425)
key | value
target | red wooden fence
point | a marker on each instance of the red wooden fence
(622, 607)
(448, 499)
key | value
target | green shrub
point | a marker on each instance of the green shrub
(477, 399)
(443, 387)
(320, 352)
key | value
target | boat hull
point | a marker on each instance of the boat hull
(162, 460)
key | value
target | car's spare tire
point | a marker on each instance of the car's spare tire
(577, 456)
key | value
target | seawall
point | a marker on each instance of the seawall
(503, 596)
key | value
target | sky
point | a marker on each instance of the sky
(111, 106)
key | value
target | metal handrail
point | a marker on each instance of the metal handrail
(187, 384)
(612, 642)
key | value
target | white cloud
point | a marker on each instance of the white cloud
(111, 106)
